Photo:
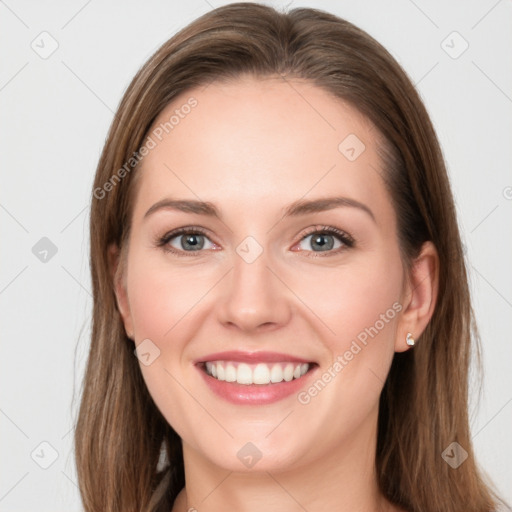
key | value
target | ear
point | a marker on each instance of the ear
(420, 296)
(117, 275)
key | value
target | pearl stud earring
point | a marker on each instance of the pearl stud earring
(410, 340)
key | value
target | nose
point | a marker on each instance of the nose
(254, 298)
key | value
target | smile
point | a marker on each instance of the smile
(257, 373)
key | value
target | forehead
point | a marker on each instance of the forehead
(257, 142)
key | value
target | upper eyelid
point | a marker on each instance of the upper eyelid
(328, 229)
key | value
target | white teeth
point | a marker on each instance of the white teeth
(230, 373)
(260, 373)
(288, 372)
(276, 374)
(244, 374)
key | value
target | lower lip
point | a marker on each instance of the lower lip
(255, 394)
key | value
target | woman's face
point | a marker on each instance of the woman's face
(300, 265)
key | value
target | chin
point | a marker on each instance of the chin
(258, 455)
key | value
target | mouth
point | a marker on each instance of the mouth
(255, 378)
(259, 374)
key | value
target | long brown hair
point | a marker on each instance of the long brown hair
(423, 406)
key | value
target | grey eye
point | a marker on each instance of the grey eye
(322, 242)
(189, 242)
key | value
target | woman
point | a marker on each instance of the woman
(281, 311)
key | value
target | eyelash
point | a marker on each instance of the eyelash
(343, 237)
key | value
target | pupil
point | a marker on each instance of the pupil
(191, 241)
(320, 241)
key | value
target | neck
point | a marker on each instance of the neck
(343, 480)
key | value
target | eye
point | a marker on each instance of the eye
(185, 240)
(190, 241)
(325, 239)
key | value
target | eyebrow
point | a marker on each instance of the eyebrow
(295, 209)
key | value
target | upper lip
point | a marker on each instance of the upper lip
(251, 357)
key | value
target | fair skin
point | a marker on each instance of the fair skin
(252, 147)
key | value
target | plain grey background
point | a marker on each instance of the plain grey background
(65, 66)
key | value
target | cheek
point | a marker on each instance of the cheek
(160, 296)
(359, 305)
(162, 303)
(353, 299)
(373, 317)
